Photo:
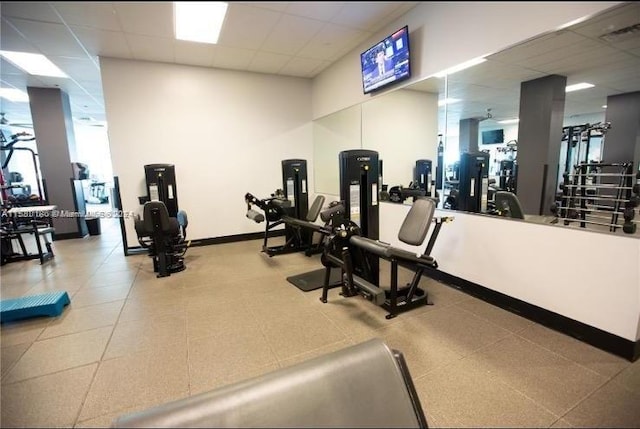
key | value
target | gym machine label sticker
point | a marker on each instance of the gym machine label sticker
(290, 192)
(354, 203)
(304, 186)
(473, 187)
(153, 193)
(485, 190)
(429, 184)
(374, 194)
(170, 191)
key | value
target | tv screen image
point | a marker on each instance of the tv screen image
(386, 62)
(493, 136)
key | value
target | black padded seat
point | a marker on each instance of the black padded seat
(509, 203)
(364, 385)
(312, 216)
(413, 231)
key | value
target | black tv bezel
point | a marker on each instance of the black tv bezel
(386, 85)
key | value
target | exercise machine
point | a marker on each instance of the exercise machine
(359, 194)
(162, 229)
(12, 181)
(600, 194)
(278, 211)
(164, 236)
(508, 167)
(284, 205)
(473, 187)
(29, 220)
(350, 251)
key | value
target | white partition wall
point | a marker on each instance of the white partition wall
(226, 132)
(589, 277)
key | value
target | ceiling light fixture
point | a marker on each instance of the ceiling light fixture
(510, 121)
(460, 67)
(14, 94)
(34, 64)
(199, 21)
(604, 106)
(578, 86)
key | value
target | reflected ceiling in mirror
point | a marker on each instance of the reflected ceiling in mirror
(585, 52)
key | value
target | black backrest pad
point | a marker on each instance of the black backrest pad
(416, 225)
(163, 216)
(314, 210)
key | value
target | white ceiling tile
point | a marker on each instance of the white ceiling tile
(148, 48)
(277, 6)
(102, 42)
(77, 68)
(12, 40)
(301, 67)
(580, 63)
(232, 58)
(319, 10)
(562, 53)
(612, 20)
(247, 27)
(50, 39)
(330, 42)
(539, 46)
(265, 62)
(35, 11)
(370, 18)
(99, 15)
(628, 44)
(195, 54)
(148, 19)
(290, 34)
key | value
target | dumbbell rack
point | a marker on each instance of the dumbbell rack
(598, 194)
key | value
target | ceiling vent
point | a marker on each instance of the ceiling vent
(622, 34)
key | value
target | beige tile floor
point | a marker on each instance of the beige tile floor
(129, 340)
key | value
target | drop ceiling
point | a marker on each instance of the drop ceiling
(284, 38)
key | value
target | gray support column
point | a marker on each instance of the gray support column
(539, 137)
(55, 139)
(622, 141)
(468, 136)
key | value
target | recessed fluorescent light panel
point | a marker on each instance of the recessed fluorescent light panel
(199, 21)
(13, 94)
(461, 66)
(34, 64)
(578, 86)
(446, 101)
(510, 121)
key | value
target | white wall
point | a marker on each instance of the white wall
(226, 132)
(402, 127)
(443, 34)
(586, 276)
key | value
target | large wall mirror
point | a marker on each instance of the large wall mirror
(407, 124)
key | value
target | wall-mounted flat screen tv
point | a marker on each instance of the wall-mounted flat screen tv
(386, 62)
(493, 136)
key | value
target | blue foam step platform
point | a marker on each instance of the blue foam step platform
(49, 304)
